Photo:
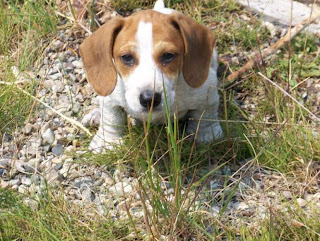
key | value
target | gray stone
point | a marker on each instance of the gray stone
(71, 58)
(2, 172)
(57, 44)
(53, 175)
(28, 128)
(87, 195)
(48, 83)
(59, 66)
(35, 178)
(77, 64)
(287, 194)
(53, 71)
(302, 203)
(120, 189)
(22, 189)
(62, 57)
(79, 97)
(55, 76)
(32, 165)
(57, 149)
(58, 87)
(76, 107)
(18, 166)
(26, 181)
(58, 167)
(14, 182)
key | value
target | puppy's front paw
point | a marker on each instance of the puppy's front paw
(101, 143)
(92, 118)
(205, 133)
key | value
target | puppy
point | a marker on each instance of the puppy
(133, 62)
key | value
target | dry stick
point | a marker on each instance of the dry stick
(287, 94)
(257, 58)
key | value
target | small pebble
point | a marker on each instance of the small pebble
(287, 194)
(57, 149)
(48, 137)
(26, 181)
(87, 195)
(302, 203)
(28, 128)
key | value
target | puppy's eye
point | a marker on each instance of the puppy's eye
(127, 59)
(166, 58)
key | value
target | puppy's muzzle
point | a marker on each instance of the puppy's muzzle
(149, 99)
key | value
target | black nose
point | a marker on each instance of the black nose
(147, 96)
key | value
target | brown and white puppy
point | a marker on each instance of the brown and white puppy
(134, 62)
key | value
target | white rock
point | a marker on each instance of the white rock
(48, 137)
(120, 189)
(302, 203)
(58, 87)
(87, 195)
(287, 194)
(26, 181)
(55, 76)
(28, 128)
(22, 189)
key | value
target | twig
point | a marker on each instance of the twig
(258, 57)
(287, 94)
(72, 121)
(74, 21)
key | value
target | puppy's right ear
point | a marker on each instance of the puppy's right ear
(96, 52)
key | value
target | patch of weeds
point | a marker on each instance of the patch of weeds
(24, 26)
(290, 224)
(126, 7)
(8, 199)
(54, 219)
(304, 61)
(244, 35)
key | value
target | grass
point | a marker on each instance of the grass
(22, 27)
(261, 125)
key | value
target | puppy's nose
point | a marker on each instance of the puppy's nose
(147, 96)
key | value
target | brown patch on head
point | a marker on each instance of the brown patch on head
(126, 44)
(167, 39)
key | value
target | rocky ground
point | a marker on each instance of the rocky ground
(38, 155)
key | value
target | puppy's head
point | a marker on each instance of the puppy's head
(149, 52)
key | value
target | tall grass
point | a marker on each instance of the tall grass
(24, 30)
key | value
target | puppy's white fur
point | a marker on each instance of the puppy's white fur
(201, 103)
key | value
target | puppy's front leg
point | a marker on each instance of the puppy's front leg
(209, 129)
(110, 132)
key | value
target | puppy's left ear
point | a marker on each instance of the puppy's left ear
(199, 42)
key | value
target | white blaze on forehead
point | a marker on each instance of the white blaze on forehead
(144, 40)
(146, 76)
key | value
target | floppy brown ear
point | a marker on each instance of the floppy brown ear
(96, 53)
(199, 42)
